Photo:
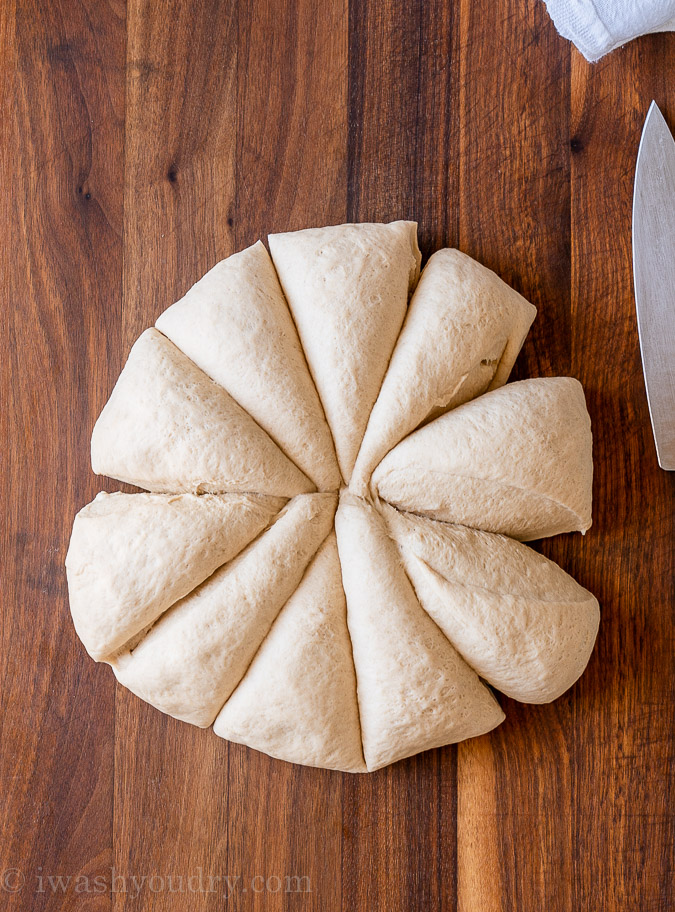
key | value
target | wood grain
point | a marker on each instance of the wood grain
(146, 140)
(514, 212)
(399, 842)
(286, 821)
(291, 166)
(624, 716)
(180, 143)
(64, 275)
(403, 130)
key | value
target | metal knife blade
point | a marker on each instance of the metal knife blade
(654, 276)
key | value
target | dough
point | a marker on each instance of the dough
(347, 287)
(236, 596)
(519, 620)
(168, 427)
(189, 663)
(235, 325)
(297, 701)
(516, 460)
(461, 336)
(415, 692)
(131, 556)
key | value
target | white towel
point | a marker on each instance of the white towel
(598, 26)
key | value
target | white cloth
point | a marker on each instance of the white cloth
(599, 26)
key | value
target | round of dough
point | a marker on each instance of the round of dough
(324, 565)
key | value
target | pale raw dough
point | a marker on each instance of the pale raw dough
(169, 427)
(516, 460)
(461, 337)
(131, 556)
(354, 648)
(414, 690)
(235, 325)
(519, 620)
(347, 287)
(189, 663)
(297, 701)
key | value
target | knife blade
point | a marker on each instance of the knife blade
(654, 276)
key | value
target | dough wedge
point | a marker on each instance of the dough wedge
(189, 663)
(415, 692)
(461, 337)
(169, 427)
(131, 556)
(516, 461)
(297, 701)
(347, 287)
(235, 325)
(516, 617)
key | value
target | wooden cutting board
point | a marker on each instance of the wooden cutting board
(139, 146)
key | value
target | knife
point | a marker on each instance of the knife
(654, 276)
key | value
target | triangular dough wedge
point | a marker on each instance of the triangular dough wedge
(516, 617)
(189, 663)
(131, 556)
(235, 325)
(347, 287)
(415, 691)
(297, 701)
(169, 427)
(516, 460)
(461, 337)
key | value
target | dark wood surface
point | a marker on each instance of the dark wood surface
(141, 142)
